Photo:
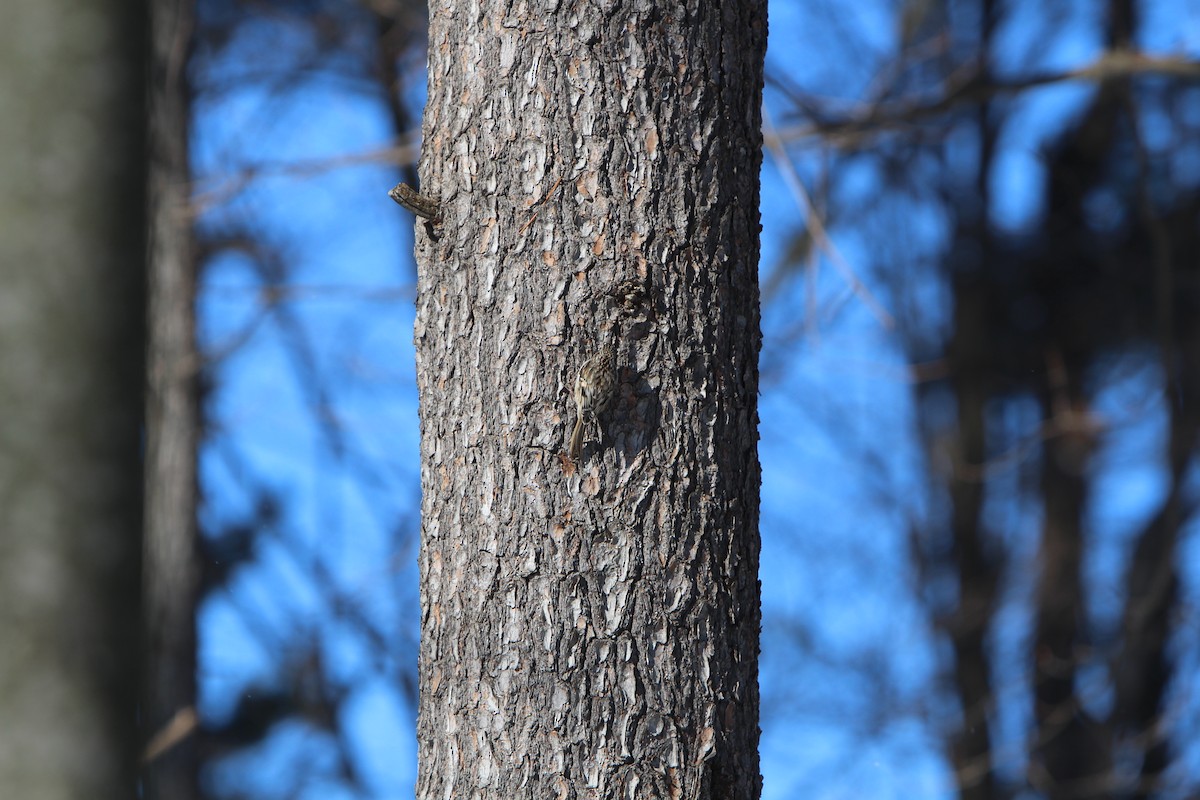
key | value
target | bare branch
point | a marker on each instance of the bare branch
(972, 88)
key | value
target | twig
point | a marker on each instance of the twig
(422, 205)
(815, 226)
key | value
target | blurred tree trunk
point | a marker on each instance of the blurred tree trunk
(977, 570)
(172, 422)
(71, 313)
(590, 629)
(1105, 291)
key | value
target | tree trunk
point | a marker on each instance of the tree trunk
(71, 310)
(172, 422)
(590, 629)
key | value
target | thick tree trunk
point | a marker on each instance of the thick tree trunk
(172, 422)
(71, 256)
(590, 629)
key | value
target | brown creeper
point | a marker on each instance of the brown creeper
(595, 393)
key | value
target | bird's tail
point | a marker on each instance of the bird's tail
(576, 440)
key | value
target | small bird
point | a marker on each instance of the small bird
(595, 392)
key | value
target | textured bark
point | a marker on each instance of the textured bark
(590, 629)
(71, 310)
(172, 422)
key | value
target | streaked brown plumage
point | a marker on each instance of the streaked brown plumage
(595, 393)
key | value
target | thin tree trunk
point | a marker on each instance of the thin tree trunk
(71, 254)
(590, 629)
(1070, 748)
(172, 422)
(977, 571)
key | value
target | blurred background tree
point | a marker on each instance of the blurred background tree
(72, 238)
(978, 412)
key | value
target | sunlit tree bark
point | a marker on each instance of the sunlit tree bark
(590, 629)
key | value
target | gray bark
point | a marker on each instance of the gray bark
(590, 629)
(172, 417)
(71, 256)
